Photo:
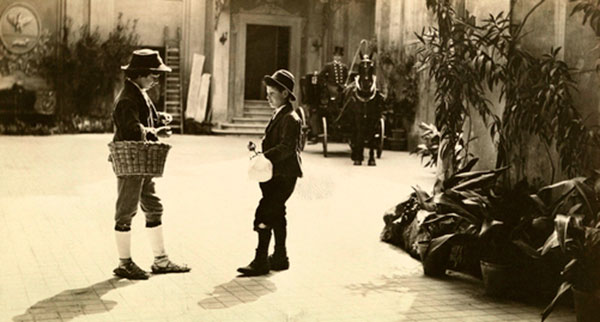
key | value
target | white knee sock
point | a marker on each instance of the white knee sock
(156, 241)
(123, 239)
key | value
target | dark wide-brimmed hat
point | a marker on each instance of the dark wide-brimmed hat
(337, 50)
(146, 59)
(283, 78)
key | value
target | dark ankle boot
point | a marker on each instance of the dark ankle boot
(260, 264)
(279, 260)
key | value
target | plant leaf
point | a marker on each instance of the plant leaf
(425, 201)
(527, 249)
(564, 287)
(561, 226)
(551, 243)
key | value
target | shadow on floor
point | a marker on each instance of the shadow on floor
(332, 154)
(71, 303)
(237, 291)
(411, 283)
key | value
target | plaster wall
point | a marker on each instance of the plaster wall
(582, 54)
(314, 46)
(78, 11)
(360, 22)
(577, 43)
(396, 24)
(484, 146)
(152, 16)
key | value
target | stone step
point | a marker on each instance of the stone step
(259, 114)
(251, 120)
(244, 132)
(256, 103)
(252, 108)
(240, 126)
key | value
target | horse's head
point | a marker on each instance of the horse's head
(366, 73)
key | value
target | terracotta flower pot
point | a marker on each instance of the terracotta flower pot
(497, 278)
(433, 264)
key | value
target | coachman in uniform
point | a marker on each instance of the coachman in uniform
(335, 74)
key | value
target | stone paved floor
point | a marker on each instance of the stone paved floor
(57, 250)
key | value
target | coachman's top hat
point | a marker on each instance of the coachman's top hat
(146, 59)
(283, 78)
(337, 50)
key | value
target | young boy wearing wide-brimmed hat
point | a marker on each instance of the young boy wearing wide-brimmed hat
(136, 119)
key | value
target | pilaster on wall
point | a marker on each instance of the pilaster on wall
(560, 17)
(78, 11)
(194, 35)
(314, 40)
(102, 15)
(220, 63)
(396, 30)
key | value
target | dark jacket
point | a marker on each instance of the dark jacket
(132, 114)
(334, 73)
(281, 144)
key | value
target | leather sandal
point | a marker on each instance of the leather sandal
(131, 271)
(170, 268)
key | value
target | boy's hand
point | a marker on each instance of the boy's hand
(164, 131)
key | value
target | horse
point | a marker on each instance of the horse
(364, 105)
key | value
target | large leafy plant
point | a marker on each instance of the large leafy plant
(466, 60)
(459, 211)
(446, 49)
(577, 234)
(537, 92)
(591, 13)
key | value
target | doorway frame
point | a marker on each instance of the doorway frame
(241, 21)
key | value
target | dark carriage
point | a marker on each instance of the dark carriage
(335, 114)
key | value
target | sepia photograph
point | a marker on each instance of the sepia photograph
(300, 160)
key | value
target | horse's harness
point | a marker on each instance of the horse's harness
(356, 94)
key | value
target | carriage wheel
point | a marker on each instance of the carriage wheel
(304, 134)
(381, 137)
(324, 121)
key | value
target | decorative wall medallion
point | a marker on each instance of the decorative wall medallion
(19, 28)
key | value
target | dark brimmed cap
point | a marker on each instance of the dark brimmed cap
(283, 78)
(337, 50)
(146, 59)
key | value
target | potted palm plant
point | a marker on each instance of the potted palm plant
(457, 213)
(577, 234)
(506, 226)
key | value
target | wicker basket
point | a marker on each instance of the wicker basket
(136, 158)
